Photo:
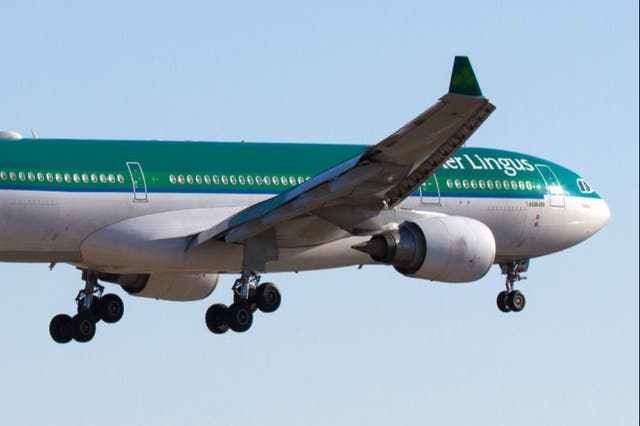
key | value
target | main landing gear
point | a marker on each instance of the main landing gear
(510, 299)
(248, 295)
(93, 306)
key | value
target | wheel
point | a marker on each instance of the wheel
(110, 308)
(217, 318)
(94, 309)
(516, 301)
(240, 317)
(268, 297)
(60, 328)
(83, 328)
(503, 301)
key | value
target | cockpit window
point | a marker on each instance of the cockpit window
(584, 187)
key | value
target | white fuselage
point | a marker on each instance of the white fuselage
(112, 232)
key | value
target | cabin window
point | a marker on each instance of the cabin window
(58, 177)
(85, 178)
(232, 179)
(521, 185)
(189, 179)
(216, 180)
(514, 185)
(250, 180)
(307, 178)
(31, 176)
(267, 180)
(180, 179)
(259, 180)
(225, 179)
(3, 175)
(94, 178)
(198, 179)
(112, 178)
(498, 184)
(67, 177)
(76, 178)
(465, 183)
(242, 180)
(481, 184)
(490, 184)
(275, 180)
(120, 178)
(40, 176)
(172, 179)
(300, 180)
(529, 186)
(474, 184)
(49, 177)
(207, 179)
(21, 175)
(458, 184)
(449, 183)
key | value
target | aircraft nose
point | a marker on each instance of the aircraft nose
(600, 215)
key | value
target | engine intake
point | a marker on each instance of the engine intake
(443, 248)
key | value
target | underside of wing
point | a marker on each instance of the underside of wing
(350, 197)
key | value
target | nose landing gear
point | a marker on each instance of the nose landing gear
(93, 306)
(248, 295)
(511, 299)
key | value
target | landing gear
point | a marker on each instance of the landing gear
(248, 296)
(510, 299)
(92, 306)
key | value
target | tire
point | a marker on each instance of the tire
(83, 328)
(60, 328)
(240, 317)
(217, 318)
(268, 297)
(516, 301)
(110, 308)
(503, 301)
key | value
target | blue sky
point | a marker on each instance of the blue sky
(347, 346)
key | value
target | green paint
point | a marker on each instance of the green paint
(468, 172)
(463, 79)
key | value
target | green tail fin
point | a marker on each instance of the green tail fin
(463, 80)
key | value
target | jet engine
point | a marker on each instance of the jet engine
(166, 286)
(443, 248)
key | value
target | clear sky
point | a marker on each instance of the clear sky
(347, 346)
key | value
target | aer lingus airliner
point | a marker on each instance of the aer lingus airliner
(165, 219)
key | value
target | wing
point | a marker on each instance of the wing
(351, 194)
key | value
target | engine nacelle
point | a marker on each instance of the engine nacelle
(166, 286)
(442, 248)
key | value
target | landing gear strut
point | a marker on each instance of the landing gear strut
(92, 306)
(511, 299)
(248, 295)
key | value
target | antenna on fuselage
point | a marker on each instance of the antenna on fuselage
(34, 134)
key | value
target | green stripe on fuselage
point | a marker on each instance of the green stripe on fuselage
(183, 167)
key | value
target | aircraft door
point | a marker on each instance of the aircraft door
(137, 181)
(430, 191)
(554, 187)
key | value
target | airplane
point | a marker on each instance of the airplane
(165, 219)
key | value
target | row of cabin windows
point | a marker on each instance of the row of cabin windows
(240, 179)
(491, 184)
(61, 177)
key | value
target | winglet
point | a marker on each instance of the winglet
(463, 80)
